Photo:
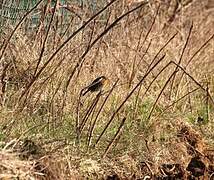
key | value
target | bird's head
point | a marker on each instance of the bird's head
(104, 80)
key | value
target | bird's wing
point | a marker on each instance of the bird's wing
(94, 82)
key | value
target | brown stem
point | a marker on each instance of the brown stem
(128, 96)
(46, 37)
(119, 131)
(179, 62)
(6, 42)
(60, 47)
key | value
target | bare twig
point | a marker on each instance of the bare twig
(89, 111)
(195, 81)
(115, 137)
(155, 77)
(178, 100)
(190, 60)
(138, 48)
(60, 47)
(128, 96)
(161, 50)
(46, 37)
(192, 78)
(81, 60)
(179, 62)
(6, 42)
(168, 80)
(98, 113)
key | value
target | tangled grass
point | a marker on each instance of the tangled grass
(158, 57)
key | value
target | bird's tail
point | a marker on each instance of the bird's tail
(84, 93)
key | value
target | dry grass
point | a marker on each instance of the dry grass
(158, 58)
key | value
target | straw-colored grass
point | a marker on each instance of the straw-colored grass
(132, 128)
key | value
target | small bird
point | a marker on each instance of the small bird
(96, 85)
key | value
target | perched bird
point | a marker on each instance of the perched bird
(96, 85)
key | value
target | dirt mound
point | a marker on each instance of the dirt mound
(198, 163)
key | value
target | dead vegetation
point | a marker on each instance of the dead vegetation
(186, 157)
(153, 121)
